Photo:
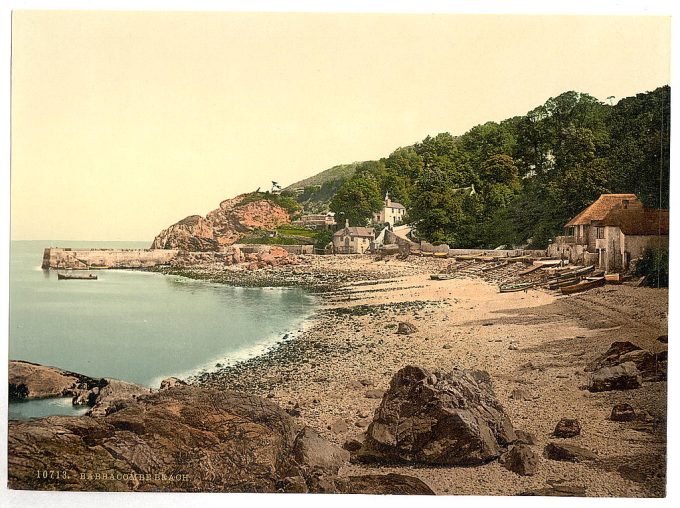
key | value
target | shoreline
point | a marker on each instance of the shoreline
(332, 376)
(534, 345)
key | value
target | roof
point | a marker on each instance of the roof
(355, 231)
(599, 209)
(395, 205)
(638, 221)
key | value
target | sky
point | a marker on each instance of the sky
(124, 123)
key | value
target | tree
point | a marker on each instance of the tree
(356, 200)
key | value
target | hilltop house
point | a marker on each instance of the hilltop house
(610, 233)
(352, 240)
(391, 213)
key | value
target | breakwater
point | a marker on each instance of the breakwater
(85, 259)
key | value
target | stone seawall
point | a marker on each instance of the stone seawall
(85, 259)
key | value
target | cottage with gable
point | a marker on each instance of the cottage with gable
(352, 240)
(610, 233)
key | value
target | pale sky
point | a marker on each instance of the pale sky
(124, 123)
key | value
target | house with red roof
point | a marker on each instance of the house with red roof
(613, 231)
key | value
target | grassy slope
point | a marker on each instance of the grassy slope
(335, 173)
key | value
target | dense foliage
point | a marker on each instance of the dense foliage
(654, 266)
(531, 173)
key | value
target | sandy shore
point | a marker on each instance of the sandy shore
(332, 376)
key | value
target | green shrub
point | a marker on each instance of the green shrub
(654, 266)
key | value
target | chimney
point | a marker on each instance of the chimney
(346, 223)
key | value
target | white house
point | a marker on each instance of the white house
(391, 213)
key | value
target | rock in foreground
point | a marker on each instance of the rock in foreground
(444, 418)
(186, 439)
(32, 381)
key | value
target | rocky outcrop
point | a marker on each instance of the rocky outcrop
(112, 395)
(33, 381)
(443, 418)
(406, 328)
(193, 233)
(182, 439)
(622, 413)
(223, 226)
(242, 214)
(187, 439)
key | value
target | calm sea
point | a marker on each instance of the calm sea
(136, 326)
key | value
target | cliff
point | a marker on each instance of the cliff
(224, 225)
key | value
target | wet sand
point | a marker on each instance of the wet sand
(332, 375)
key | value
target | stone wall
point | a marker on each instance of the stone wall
(84, 259)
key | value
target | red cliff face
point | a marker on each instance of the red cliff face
(223, 226)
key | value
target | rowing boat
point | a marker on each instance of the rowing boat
(494, 266)
(511, 288)
(557, 284)
(575, 272)
(584, 285)
(68, 276)
(442, 276)
(531, 269)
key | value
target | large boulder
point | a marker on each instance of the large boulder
(32, 381)
(112, 394)
(182, 439)
(652, 366)
(444, 418)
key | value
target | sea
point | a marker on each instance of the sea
(137, 326)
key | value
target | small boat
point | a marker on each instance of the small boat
(588, 283)
(442, 276)
(494, 266)
(441, 254)
(548, 262)
(511, 288)
(531, 269)
(71, 276)
(575, 272)
(616, 278)
(98, 267)
(557, 284)
(465, 257)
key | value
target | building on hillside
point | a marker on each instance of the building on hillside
(391, 213)
(352, 240)
(610, 233)
(317, 221)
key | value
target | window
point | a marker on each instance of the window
(599, 233)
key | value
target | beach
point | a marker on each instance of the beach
(535, 346)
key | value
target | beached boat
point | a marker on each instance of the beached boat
(511, 288)
(588, 283)
(576, 271)
(441, 254)
(494, 266)
(548, 262)
(531, 269)
(73, 276)
(616, 278)
(98, 267)
(557, 284)
(442, 276)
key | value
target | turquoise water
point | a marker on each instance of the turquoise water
(137, 326)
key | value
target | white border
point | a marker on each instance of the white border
(104, 500)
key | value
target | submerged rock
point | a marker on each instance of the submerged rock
(446, 418)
